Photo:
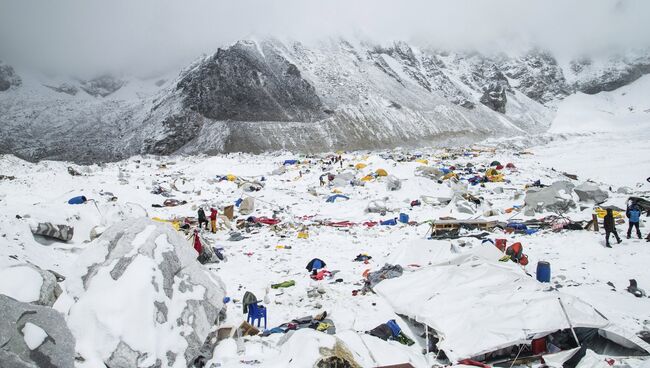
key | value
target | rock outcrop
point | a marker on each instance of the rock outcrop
(8, 77)
(178, 301)
(34, 336)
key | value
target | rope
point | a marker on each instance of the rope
(520, 349)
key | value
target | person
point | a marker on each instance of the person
(610, 228)
(322, 181)
(213, 220)
(202, 218)
(633, 214)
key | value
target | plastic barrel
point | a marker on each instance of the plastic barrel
(543, 271)
(403, 218)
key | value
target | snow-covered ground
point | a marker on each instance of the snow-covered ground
(602, 138)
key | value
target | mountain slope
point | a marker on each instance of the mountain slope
(267, 95)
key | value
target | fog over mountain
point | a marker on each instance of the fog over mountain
(148, 36)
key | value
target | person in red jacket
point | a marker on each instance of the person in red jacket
(197, 242)
(213, 220)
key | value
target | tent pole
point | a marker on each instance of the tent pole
(566, 315)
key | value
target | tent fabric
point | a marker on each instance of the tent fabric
(360, 166)
(479, 305)
(381, 172)
(290, 162)
(332, 199)
(77, 200)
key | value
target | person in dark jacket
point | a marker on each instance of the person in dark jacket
(202, 218)
(634, 215)
(610, 228)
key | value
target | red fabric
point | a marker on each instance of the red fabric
(510, 165)
(370, 223)
(341, 224)
(501, 244)
(499, 167)
(267, 221)
(213, 214)
(197, 243)
(321, 274)
(473, 363)
(524, 260)
(538, 346)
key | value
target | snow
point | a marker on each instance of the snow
(22, 283)
(34, 335)
(596, 137)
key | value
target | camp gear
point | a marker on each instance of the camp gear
(403, 218)
(390, 222)
(381, 172)
(515, 251)
(332, 199)
(386, 272)
(249, 298)
(415, 202)
(320, 274)
(634, 289)
(256, 312)
(60, 232)
(247, 205)
(543, 271)
(173, 202)
(315, 264)
(197, 242)
(284, 284)
(290, 162)
(228, 211)
(77, 200)
(501, 244)
(362, 258)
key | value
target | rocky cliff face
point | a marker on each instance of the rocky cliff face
(8, 77)
(267, 95)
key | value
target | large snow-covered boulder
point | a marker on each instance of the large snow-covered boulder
(590, 192)
(554, 198)
(139, 298)
(33, 336)
(29, 284)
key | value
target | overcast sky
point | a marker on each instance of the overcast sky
(100, 35)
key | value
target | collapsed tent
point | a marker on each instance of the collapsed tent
(514, 309)
(47, 229)
(333, 198)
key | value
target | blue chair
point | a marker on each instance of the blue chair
(256, 312)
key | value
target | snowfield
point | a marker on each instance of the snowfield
(603, 138)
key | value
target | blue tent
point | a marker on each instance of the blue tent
(333, 198)
(290, 162)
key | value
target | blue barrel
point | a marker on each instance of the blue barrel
(77, 200)
(403, 218)
(543, 271)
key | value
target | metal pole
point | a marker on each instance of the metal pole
(569, 321)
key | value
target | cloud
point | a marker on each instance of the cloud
(86, 36)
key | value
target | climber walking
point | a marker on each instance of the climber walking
(633, 213)
(610, 227)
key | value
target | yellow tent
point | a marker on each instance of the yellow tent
(367, 178)
(381, 172)
(449, 176)
(601, 212)
(491, 172)
(175, 224)
(231, 177)
(360, 166)
(495, 178)
(337, 191)
(422, 161)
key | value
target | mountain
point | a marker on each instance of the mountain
(261, 95)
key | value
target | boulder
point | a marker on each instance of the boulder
(590, 192)
(29, 284)
(554, 198)
(34, 336)
(139, 298)
(393, 183)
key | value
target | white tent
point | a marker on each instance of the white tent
(478, 305)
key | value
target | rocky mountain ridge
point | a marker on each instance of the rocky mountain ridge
(266, 95)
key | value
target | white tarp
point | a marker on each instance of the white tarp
(478, 305)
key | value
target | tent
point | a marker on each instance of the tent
(381, 172)
(422, 161)
(478, 306)
(360, 166)
(290, 162)
(333, 198)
